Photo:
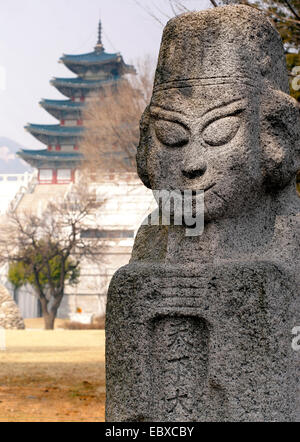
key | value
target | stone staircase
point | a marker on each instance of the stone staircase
(121, 204)
(41, 196)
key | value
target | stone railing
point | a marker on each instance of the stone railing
(30, 181)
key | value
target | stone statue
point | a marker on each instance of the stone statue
(200, 328)
(10, 316)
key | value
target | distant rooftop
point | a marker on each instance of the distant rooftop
(96, 58)
(80, 82)
(52, 129)
(60, 104)
(91, 57)
(44, 153)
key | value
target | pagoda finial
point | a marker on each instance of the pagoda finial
(99, 45)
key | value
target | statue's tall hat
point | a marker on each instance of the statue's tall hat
(225, 44)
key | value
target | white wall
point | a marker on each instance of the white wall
(127, 202)
(10, 184)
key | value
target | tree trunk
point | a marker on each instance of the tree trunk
(49, 316)
(49, 319)
(53, 310)
(16, 297)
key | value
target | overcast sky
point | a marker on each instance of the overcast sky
(35, 33)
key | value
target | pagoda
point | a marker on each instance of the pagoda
(58, 162)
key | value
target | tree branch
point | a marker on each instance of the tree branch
(291, 9)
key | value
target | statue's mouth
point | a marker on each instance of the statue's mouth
(209, 187)
(204, 189)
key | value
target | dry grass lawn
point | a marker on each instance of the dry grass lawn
(53, 376)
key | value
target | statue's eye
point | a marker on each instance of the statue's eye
(170, 133)
(221, 131)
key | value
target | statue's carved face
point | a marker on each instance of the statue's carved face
(207, 139)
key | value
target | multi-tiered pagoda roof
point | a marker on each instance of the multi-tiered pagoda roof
(95, 70)
(63, 109)
(89, 64)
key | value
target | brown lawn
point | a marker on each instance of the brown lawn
(52, 376)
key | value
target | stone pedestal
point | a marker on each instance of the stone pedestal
(201, 343)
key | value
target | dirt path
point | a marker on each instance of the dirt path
(52, 376)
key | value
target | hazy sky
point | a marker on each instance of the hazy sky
(35, 33)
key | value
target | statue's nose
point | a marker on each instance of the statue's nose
(193, 169)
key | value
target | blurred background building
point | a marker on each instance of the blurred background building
(52, 172)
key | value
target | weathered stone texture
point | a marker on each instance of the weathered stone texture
(10, 317)
(200, 328)
(201, 343)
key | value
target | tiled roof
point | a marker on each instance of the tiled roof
(95, 57)
(81, 83)
(44, 153)
(62, 104)
(54, 129)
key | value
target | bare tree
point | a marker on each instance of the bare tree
(284, 13)
(172, 8)
(45, 250)
(112, 122)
